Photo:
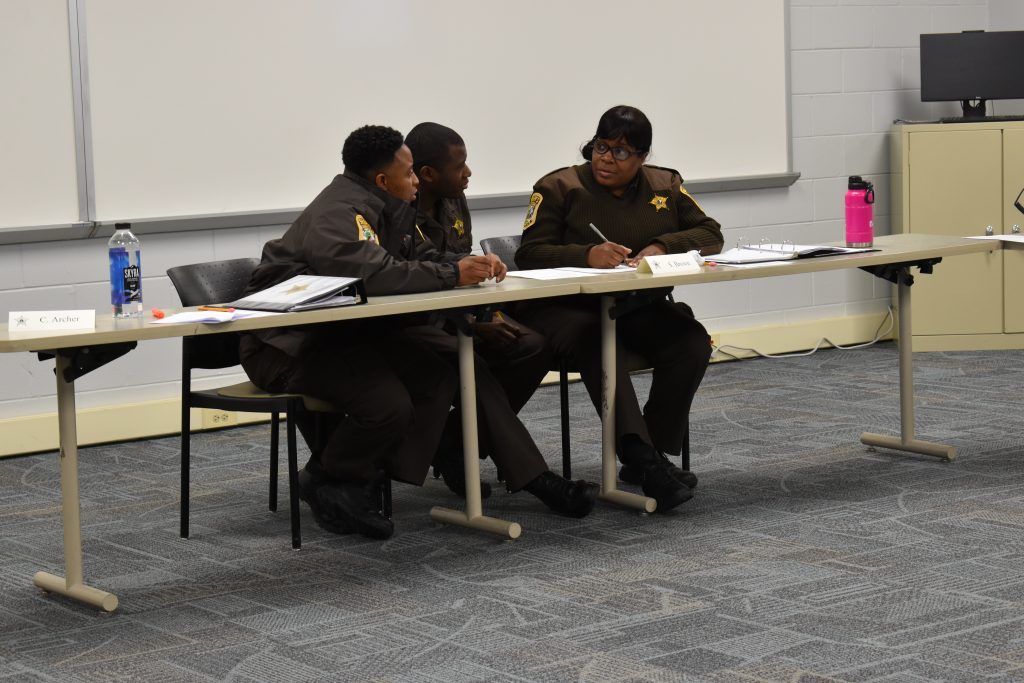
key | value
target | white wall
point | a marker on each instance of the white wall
(854, 69)
(1006, 15)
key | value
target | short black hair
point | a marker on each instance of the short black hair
(431, 144)
(370, 148)
(626, 122)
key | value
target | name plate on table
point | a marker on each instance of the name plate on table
(39, 321)
(671, 264)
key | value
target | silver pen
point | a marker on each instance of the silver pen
(598, 232)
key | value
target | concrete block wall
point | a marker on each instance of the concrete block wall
(854, 68)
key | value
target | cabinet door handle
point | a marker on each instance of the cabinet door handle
(989, 230)
(1015, 229)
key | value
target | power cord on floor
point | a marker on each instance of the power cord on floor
(879, 333)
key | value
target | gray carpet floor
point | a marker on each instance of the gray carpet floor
(804, 556)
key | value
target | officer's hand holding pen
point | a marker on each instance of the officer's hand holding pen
(606, 254)
(475, 269)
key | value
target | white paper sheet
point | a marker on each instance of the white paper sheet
(211, 316)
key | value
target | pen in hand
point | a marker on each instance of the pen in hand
(606, 255)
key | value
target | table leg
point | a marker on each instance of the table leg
(473, 517)
(906, 440)
(71, 585)
(609, 464)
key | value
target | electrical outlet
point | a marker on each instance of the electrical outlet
(218, 418)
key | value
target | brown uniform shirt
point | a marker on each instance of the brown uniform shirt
(452, 230)
(655, 208)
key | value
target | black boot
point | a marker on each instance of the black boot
(660, 485)
(659, 478)
(343, 508)
(634, 474)
(570, 498)
(311, 479)
(353, 508)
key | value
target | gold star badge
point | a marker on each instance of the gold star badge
(659, 202)
(295, 289)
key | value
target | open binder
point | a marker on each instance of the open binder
(764, 253)
(304, 293)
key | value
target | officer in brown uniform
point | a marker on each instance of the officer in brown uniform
(641, 210)
(517, 356)
(395, 392)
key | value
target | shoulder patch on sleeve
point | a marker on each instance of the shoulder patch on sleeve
(531, 213)
(682, 190)
(365, 232)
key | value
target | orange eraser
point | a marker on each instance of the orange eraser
(157, 313)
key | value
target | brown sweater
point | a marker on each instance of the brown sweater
(654, 208)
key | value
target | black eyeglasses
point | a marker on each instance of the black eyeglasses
(1016, 202)
(618, 153)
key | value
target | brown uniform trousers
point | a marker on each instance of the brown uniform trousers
(666, 333)
(394, 391)
(505, 380)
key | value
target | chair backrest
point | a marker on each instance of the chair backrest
(212, 282)
(504, 247)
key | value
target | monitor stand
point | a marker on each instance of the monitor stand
(973, 109)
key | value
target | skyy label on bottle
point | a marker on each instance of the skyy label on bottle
(131, 287)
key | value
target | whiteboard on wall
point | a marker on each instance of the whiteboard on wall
(38, 167)
(206, 107)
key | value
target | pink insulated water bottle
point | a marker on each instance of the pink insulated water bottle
(860, 222)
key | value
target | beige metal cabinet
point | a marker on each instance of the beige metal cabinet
(962, 179)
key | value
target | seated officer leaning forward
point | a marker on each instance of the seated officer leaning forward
(516, 355)
(394, 391)
(642, 210)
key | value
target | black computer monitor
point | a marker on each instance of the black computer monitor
(972, 67)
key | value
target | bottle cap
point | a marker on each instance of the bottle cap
(857, 183)
(122, 226)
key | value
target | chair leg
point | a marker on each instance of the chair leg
(563, 392)
(293, 480)
(385, 498)
(275, 430)
(686, 446)
(186, 436)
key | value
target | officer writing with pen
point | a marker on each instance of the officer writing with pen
(608, 210)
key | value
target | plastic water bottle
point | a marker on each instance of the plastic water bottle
(860, 223)
(125, 272)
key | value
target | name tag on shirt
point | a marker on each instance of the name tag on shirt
(36, 321)
(671, 264)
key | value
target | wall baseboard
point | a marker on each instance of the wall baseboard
(126, 422)
(106, 424)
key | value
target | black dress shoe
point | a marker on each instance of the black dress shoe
(570, 498)
(352, 508)
(634, 473)
(449, 465)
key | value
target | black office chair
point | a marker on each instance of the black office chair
(505, 248)
(217, 282)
